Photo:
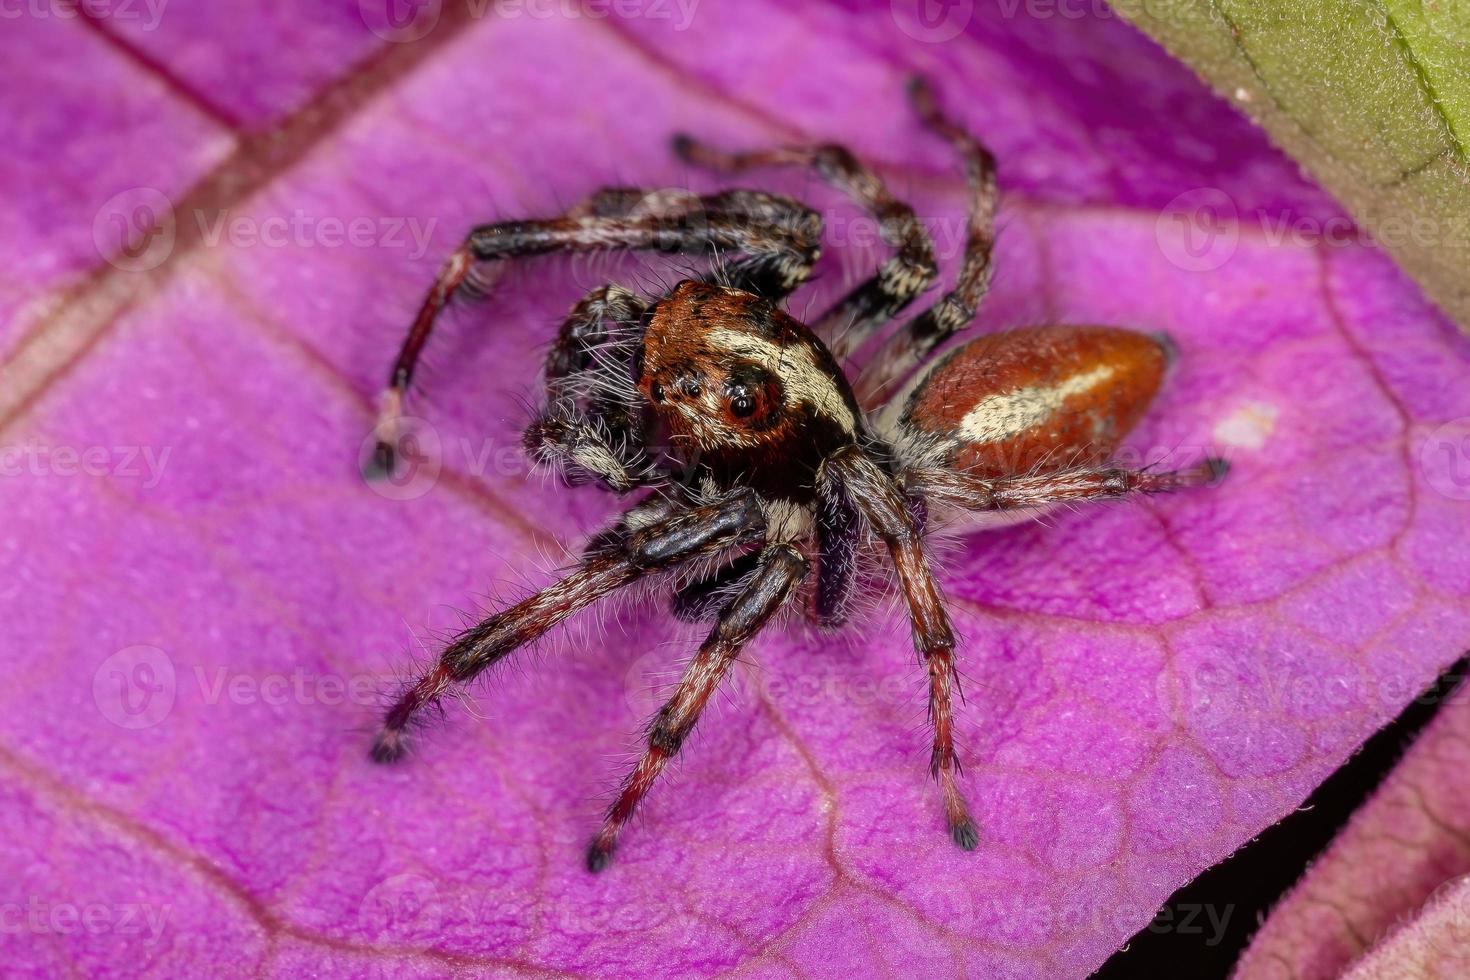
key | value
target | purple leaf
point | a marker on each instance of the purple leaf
(203, 601)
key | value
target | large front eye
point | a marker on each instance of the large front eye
(742, 406)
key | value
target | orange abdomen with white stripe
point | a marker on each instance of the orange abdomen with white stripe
(1035, 400)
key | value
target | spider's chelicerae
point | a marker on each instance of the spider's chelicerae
(766, 468)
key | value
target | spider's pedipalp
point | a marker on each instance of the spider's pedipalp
(781, 568)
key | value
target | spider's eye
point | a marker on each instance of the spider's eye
(656, 392)
(693, 389)
(742, 406)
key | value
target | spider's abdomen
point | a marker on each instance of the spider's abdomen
(1034, 400)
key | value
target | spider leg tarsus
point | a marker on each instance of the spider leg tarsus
(683, 146)
(389, 430)
(389, 746)
(598, 857)
(922, 98)
(964, 834)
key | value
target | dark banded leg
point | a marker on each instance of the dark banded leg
(704, 598)
(838, 534)
(907, 348)
(1066, 486)
(883, 507)
(852, 319)
(781, 569)
(698, 532)
(769, 258)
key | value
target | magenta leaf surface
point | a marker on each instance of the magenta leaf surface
(203, 601)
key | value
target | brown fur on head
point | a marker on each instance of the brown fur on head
(729, 370)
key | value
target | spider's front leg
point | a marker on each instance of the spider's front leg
(619, 559)
(882, 505)
(780, 570)
(911, 270)
(767, 256)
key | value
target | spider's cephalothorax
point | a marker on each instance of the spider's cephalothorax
(750, 396)
(761, 459)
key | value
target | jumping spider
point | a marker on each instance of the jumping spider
(763, 461)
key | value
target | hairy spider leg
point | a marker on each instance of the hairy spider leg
(1062, 486)
(770, 258)
(906, 349)
(838, 530)
(884, 508)
(780, 570)
(911, 270)
(839, 533)
(625, 557)
(704, 598)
